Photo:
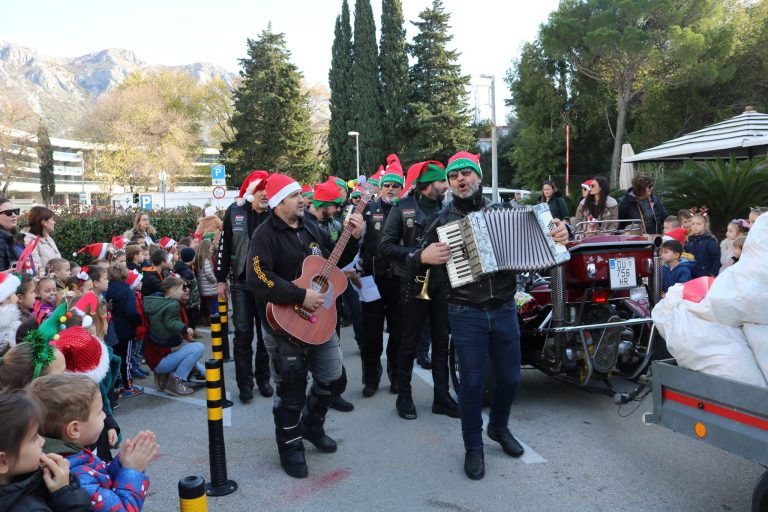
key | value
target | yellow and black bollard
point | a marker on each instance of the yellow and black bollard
(217, 453)
(218, 354)
(192, 496)
(224, 317)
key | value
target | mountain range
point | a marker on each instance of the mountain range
(61, 89)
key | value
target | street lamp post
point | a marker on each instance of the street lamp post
(494, 154)
(356, 135)
(162, 185)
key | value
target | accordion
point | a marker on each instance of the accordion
(496, 240)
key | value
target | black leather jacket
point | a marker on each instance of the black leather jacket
(373, 261)
(488, 292)
(401, 237)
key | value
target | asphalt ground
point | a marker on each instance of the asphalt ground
(581, 455)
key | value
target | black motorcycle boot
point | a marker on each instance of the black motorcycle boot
(508, 443)
(474, 463)
(314, 432)
(444, 403)
(405, 406)
(394, 388)
(289, 443)
(371, 379)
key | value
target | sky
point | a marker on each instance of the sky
(488, 33)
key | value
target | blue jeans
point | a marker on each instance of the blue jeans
(478, 334)
(182, 361)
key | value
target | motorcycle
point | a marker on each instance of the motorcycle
(590, 318)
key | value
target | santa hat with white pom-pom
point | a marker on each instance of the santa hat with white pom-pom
(83, 353)
(249, 186)
(97, 251)
(86, 307)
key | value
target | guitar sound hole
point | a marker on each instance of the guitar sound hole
(320, 284)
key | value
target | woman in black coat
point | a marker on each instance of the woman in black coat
(557, 205)
(641, 204)
(9, 219)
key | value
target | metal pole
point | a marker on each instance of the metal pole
(357, 154)
(494, 137)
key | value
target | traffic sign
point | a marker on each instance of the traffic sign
(82, 197)
(218, 175)
(145, 201)
(219, 192)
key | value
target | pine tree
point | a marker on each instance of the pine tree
(365, 95)
(272, 115)
(341, 145)
(393, 64)
(45, 155)
(438, 120)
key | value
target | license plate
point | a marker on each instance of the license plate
(622, 272)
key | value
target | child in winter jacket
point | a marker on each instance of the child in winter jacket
(703, 246)
(134, 280)
(183, 268)
(125, 318)
(74, 419)
(674, 270)
(33, 480)
(46, 299)
(10, 315)
(736, 228)
(206, 281)
(155, 273)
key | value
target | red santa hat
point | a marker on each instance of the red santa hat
(119, 242)
(166, 243)
(249, 186)
(134, 278)
(280, 186)
(586, 184)
(678, 234)
(83, 274)
(393, 164)
(375, 177)
(98, 251)
(8, 285)
(83, 353)
(86, 307)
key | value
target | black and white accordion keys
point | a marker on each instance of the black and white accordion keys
(496, 240)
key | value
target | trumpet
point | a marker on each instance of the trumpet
(424, 282)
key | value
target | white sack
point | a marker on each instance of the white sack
(739, 294)
(704, 346)
(757, 338)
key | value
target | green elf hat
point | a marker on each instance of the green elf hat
(326, 194)
(357, 192)
(339, 182)
(463, 160)
(375, 179)
(41, 338)
(306, 191)
(423, 172)
(393, 172)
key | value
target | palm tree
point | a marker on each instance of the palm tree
(726, 188)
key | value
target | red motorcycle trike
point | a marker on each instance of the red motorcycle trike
(590, 318)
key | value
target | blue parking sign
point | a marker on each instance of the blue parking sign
(145, 201)
(218, 174)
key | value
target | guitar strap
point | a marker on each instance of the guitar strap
(310, 228)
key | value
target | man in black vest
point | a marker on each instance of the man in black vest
(277, 251)
(401, 242)
(378, 266)
(484, 325)
(240, 221)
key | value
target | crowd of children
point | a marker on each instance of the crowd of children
(690, 250)
(72, 340)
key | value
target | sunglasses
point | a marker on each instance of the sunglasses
(391, 185)
(455, 174)
(12, 212)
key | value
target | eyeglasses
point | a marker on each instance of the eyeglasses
(455, 174)
(391, 185)
(12, 212)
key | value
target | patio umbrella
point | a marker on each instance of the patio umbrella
(627, 171)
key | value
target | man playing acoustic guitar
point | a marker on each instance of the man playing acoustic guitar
(277, 251)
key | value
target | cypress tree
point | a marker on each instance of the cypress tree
(439, 120)
(272, 115)
(340, 145)
(366, 108)
(393, 64)
(45, 155)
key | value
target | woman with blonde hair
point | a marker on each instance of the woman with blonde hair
(141, 228)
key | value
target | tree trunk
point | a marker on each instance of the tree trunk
(622, 100)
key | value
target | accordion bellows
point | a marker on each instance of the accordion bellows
(496, 240)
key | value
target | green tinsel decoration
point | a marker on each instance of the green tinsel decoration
(42, 353)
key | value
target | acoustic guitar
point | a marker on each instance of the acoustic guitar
(322, 275)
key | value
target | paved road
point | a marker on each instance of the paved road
(583, 456)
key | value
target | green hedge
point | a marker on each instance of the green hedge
(76, 229)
